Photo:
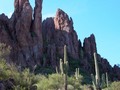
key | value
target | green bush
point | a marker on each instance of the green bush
(114, 86)
(53, 81)
(86, 87)
(24, 79)
(56, 81)
(5, 71)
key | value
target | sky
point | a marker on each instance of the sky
(100, 17)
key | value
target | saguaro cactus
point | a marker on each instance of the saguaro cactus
(65, 67)
(77, 73)
(103, 83)
(93, 81)
(61, 67)
(96, 81)
(56, 70)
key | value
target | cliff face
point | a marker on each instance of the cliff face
(57, 32)
(36, 42)
(23, 33)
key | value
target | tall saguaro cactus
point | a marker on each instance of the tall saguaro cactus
(97, 71)
(65, 67)
(96, 81)
(93, 81)
(77, 73)
(103, 83)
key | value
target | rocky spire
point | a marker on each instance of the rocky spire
(18, 4)
(89, 45)
(37, 24)
(26, 32)
(37, 30)
(62, 21)
(57, 32)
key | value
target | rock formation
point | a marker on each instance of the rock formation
(57, 32)
(4, 32)
(116, 71)
(24, 33)
(36, 42)
(37, 29)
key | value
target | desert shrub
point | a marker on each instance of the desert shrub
(56, 81)
(42, 84)
(74, 82)
(24, 79)
(4, 50)
(19, 88)
(4, 70)
(114, 86)
(86, 87)
(53, 81)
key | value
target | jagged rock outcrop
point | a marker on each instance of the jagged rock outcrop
(4, 32)
(89, 47)
(37, 29)
(66, 33)
(63, 22)
(104, 65)
(24, 33)
(20, 24)
(57, 32)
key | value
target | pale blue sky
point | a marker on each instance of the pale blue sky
(101, 17)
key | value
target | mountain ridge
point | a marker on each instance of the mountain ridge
(36, 42)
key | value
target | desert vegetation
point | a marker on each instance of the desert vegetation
(12, 78)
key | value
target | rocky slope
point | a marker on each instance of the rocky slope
(36, 42)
